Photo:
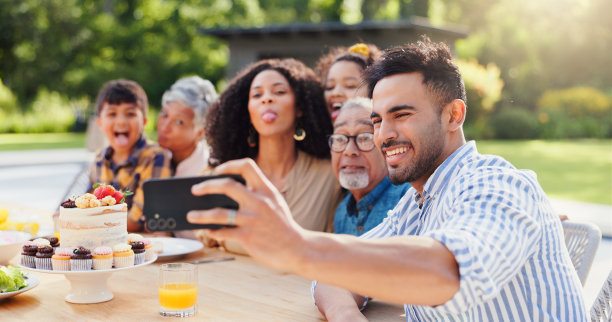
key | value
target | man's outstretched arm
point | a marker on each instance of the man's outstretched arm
(408, 269)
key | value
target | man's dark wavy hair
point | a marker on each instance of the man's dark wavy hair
(228, 121)
(434, 61)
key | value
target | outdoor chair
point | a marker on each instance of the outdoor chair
(582, 240)
(602, 307)
(80, 184)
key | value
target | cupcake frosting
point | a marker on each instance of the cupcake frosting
(44, 252)
(54, 241)
(41, 242)
(29, 248)
(134, 237)
(63, 251)
(81, 253)
(102, 250)
(138, 247)
(121, 247)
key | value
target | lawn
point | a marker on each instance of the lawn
(37, 141)
(576, 170)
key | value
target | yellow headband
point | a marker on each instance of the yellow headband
(361, 49)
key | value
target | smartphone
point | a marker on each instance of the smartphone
(167, 202)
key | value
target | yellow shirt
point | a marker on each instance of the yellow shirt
(147, 160)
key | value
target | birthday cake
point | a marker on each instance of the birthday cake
(93, 220)
(93, 227)
(89, 225)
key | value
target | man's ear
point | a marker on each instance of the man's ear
(456, 114)
(145, 122)
(99, 122)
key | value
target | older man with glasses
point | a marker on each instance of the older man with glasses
(360, 168)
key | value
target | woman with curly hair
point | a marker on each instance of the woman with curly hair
(341, 71)
(274, 113)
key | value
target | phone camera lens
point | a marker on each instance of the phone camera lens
(171, 223)
(152, 224)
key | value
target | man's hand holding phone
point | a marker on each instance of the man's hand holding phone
(263, 223)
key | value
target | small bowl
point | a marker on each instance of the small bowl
(10, 244)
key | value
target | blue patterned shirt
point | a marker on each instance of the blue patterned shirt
(507, 241)
(356, 218)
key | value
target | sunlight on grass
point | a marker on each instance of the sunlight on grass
(41, 141)
(575, 170)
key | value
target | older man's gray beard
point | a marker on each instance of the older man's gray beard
(354, 180)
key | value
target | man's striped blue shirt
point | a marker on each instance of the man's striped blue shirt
(506, 238)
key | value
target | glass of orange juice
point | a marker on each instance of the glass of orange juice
(178, 289)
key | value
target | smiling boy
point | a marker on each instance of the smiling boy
(130, 159)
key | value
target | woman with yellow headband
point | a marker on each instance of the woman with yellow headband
(341, 70)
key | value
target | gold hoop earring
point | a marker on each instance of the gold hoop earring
(299, 134)
(251, 139)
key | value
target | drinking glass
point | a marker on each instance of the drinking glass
(178, 289)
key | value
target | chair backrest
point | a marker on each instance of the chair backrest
(582, 240)
(602, 307)
(80, 184)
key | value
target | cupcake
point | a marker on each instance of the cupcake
(54, 241)
(29, 254)
(43, 257)
(102, 258)
(123, 256)
(61, 259)
(139, 252)
(149, 252)
(80, 259)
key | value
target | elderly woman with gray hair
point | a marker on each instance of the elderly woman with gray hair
(180, 124)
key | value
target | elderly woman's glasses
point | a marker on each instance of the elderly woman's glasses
(338, 142)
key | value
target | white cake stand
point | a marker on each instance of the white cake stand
(89, 286)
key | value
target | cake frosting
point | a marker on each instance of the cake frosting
(93, 227)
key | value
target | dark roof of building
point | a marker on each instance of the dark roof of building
(417, 23)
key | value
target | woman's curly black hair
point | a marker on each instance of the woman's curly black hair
(228, 121)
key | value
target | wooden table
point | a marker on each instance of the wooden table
(238, 290)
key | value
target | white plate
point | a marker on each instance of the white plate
(176, 247)
(31, 283)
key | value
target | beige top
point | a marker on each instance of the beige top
(195, 164)
(312, 193)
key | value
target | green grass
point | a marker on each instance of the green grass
(16, 142)
(571, 169)
(575, 170)
(10, 142)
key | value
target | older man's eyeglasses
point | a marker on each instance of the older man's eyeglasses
(364, 141)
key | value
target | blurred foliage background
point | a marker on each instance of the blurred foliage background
(533, 69)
